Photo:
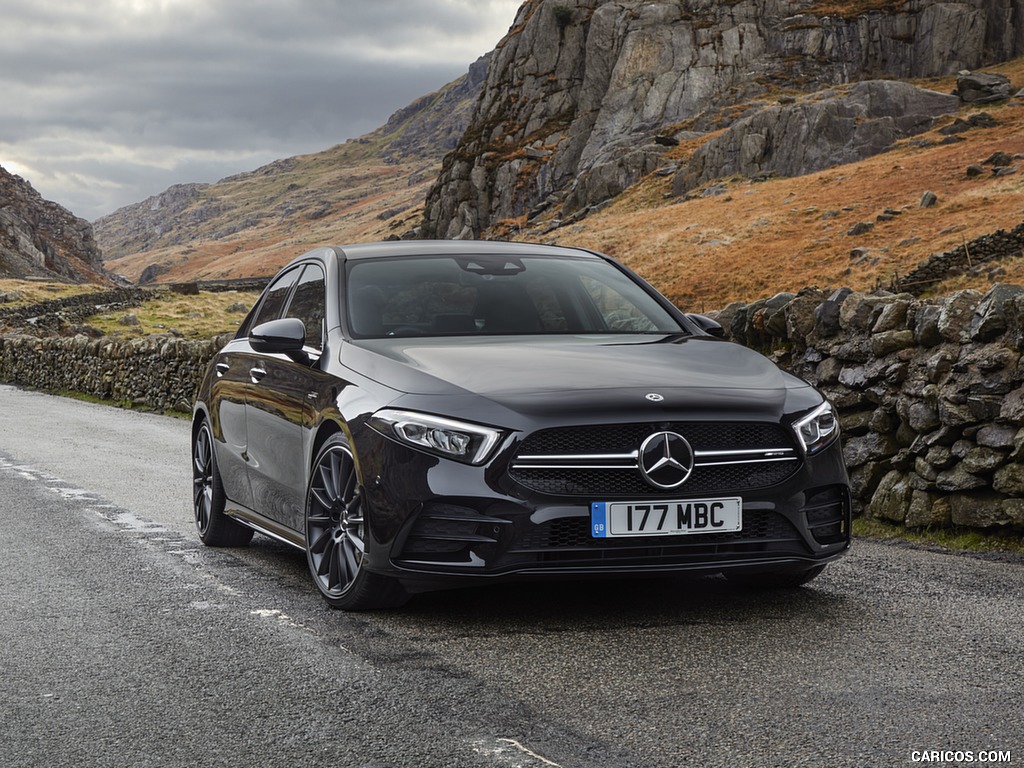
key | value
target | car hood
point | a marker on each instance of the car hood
(570, 373)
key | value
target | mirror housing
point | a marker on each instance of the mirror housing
(706, 324)
(286, 336)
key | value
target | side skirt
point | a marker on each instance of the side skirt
(266, 526)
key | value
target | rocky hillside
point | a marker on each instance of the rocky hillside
(39, 238)
(585, 97)
(725, 149)
(367, 188)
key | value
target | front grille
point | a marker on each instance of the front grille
(618, 438)
(601, 461)
(614, 483)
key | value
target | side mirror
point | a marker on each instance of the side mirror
(706, 324)
(285, 336)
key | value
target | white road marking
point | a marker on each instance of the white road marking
(509, 752)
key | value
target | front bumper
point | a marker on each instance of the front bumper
(434, 521)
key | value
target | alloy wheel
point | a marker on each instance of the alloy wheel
(202, 478)
(334, 522)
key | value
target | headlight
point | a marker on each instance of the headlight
(817, 429)
(471, 443)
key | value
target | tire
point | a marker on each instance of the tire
(215, 528)
(335, 528)
(775, 579)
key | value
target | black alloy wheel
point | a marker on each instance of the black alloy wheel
(336, 534)
(208, 500)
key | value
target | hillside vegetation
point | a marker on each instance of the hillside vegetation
(342, 195)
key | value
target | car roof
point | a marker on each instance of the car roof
(457, 248)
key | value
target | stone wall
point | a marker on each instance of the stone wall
(158, 372)
(930, 394)
(973, 258)
(52, 313)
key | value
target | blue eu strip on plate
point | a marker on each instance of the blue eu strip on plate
(598, 520)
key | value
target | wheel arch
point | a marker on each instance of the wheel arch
(328, 428)
(199, 415)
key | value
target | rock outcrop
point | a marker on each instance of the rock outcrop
(39, 238)
(817, 133)
(579, 91)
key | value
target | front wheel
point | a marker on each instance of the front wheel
(336, 533)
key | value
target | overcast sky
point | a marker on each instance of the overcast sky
(107, 102)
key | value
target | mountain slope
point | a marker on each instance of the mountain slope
(39, 238)
(581, 95)
(249, 224)
(860, 225)
(700, 214)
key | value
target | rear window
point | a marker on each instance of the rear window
(490, 295)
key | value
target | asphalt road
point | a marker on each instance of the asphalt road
(124, 642)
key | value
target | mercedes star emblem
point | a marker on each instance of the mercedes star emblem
(654, 397)
(666, 460)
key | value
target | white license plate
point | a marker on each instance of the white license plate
(665, 518)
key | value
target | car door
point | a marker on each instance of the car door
(232, 389)
(280, 407)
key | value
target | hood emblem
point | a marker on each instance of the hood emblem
(665, 460)
(654, 397)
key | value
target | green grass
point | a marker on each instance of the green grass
(194, 317)
(954, 539)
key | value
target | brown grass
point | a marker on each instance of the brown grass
(35, 291)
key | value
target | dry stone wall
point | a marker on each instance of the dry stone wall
(158, 372)
(930, 394)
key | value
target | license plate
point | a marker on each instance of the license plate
(665, 518)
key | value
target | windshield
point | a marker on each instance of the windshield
(444, 295)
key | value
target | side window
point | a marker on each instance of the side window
(308, 303)
(275, 298)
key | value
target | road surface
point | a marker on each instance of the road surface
(125, 642)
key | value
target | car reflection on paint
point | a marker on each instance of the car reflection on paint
(422, 415)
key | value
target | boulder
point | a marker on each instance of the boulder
(983, 87)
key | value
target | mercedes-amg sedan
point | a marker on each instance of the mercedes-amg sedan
(418, 415)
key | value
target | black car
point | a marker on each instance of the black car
(417, 415)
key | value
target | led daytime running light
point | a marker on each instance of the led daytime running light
(453, 439)
(817, 429)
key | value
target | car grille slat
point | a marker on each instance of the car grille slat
(601, 461)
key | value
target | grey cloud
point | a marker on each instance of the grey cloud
(94, 90)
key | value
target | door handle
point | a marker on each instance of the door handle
(222, 368)
(257, 374)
